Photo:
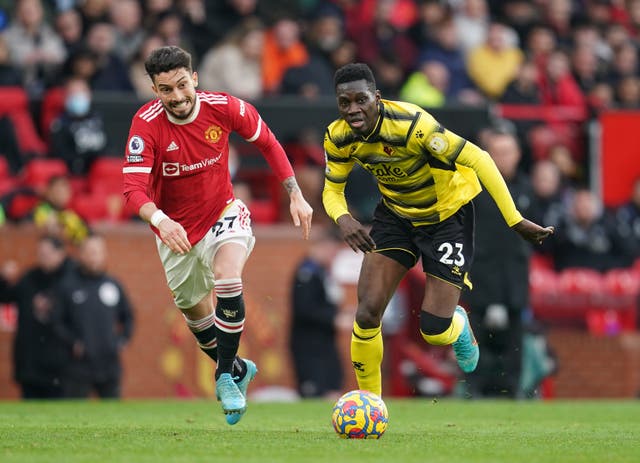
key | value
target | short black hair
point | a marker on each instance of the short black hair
(352, 72)
(165, 59)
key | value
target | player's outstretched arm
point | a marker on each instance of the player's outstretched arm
(301, 211)
(355, 234)
(532, 232)
(171, 232)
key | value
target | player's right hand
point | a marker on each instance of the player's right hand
(174, 236)
(355, 234)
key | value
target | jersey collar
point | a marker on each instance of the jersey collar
(191, 118)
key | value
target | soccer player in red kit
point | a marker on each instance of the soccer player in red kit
(176, 176)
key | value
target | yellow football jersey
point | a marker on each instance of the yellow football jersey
(424, 172)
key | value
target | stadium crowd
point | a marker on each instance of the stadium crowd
(580, 56)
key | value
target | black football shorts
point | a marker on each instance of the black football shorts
(446, 248)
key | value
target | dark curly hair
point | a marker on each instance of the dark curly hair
(354, 71)
(165, 59)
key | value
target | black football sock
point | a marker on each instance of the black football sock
(229, 322)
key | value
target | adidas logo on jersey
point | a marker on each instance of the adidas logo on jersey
(172, 146)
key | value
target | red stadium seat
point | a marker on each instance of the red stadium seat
(37, 172)
(52, 107)
(91, 207)
(15, 104)
(105, 176)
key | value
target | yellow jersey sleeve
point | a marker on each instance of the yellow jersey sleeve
(480, 161)
(337, 169)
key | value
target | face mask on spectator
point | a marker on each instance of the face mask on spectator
(78, 104)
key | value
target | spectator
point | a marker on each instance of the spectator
(315, 308)
(227, 15)
(472, 23)
(78, 135)
(69, 26)
(195, 26)
(54, 215)
(624, 64)
(137, 74)
(283, 49)
(586, 238)
(39, 356)
(33, 45)
(521, 15)
(430, 13)
(627, 218)
(111, 72)
(385, 35)
(168, 25)
(523, 89)
(494, 64)
(446, 49)
(628, 93)
(548, 193)
(126, 16)
(313, 78)
(235, 65)
(10, 75)
(95, 320)
(585, 67)
(557, 85)
(427, 86)
(94, 12)
(500, 276)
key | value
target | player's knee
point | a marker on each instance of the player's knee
(367, 319)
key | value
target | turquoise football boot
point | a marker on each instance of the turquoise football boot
(466, 346)
(233, 402)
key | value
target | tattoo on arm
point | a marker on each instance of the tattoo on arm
(291, 185)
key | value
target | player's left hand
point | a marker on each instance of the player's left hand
(301, 212)
(532, 232)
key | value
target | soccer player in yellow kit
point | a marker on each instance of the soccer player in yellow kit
(428, 177)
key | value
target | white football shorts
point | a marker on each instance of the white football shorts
(190, 276)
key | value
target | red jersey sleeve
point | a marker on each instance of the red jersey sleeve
(139, 160)
(246, 121)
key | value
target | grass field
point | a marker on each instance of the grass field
(424, 431)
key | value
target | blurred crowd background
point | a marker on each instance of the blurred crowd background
(541, 72)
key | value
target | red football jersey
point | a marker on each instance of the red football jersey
(182, 165)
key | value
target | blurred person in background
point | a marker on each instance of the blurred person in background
(500, 276)
(495, 63)
(427, 87)
(471, 19)
(549, 191)
(176, 176)
(587, 238)
(283, 49)
(78, 135)
(94, 319)
(54, 215)
(39, 355)
(415, 161)
(627, 217)
(445, 48)
(34, 47)
(315, 316)
(325, 33)
(126, 17)
(111, 73)
(137, 73)
(68, 24)
(235, 65)
(10, 75)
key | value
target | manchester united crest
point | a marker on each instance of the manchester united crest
(212, 134)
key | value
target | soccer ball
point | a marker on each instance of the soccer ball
(360, 415)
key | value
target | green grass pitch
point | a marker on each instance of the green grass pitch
(420, 430)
